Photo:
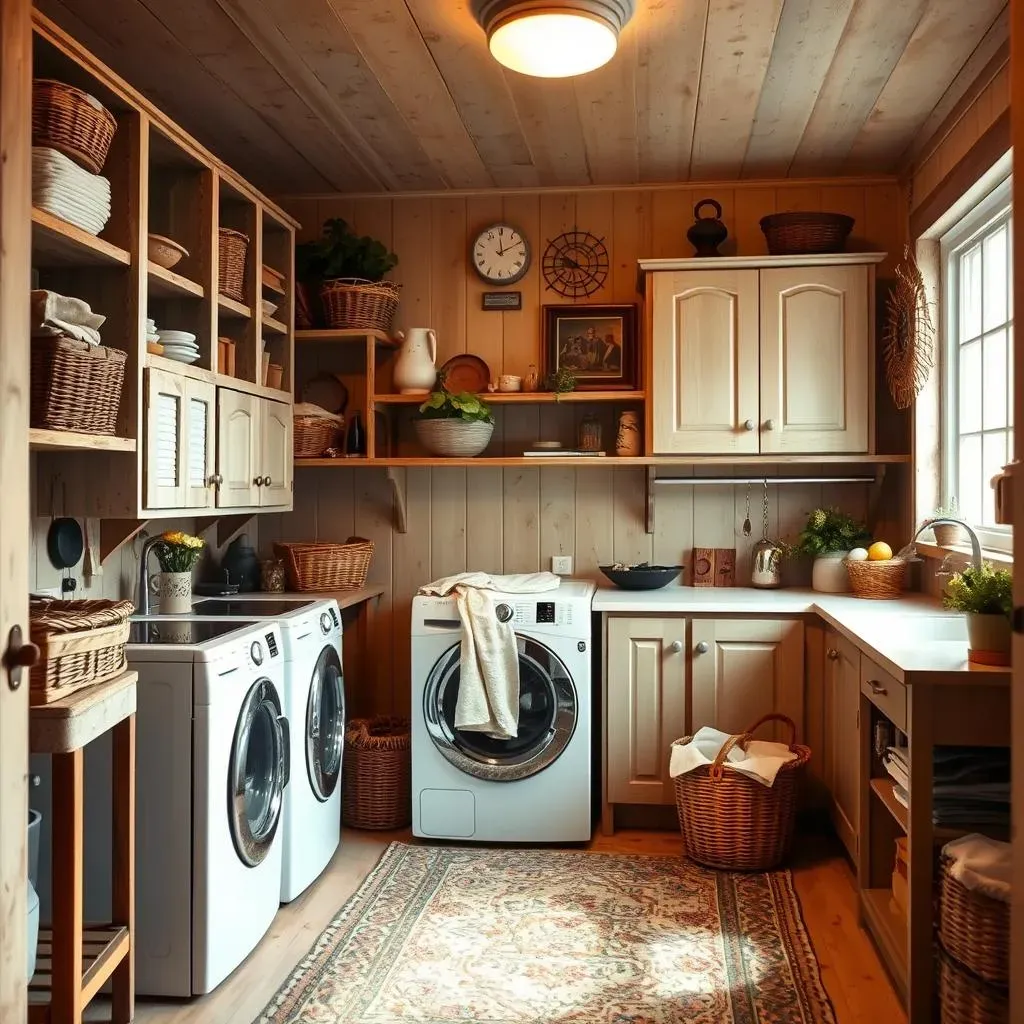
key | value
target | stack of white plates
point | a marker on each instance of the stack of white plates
(68, 191)
(151, 334)
(179, 345)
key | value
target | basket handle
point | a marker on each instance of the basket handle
(741, 739)
(775, 717)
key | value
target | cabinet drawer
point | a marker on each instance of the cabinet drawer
(884, 692)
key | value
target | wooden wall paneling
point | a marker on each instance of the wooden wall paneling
(885, 223)
(631, 542)
(714, 516)
(485, 332)
(737, 48)
(851, 200)
(671, 218)
(448, 276)
(374, 217)
(631, 237)
(448, 511)
(595, 212)
(411, 233)
(306, 210)
(557, 513)
(335, 511)
(521, 516)
(521, 427)
(805, 43)
(751, 204)
(793, 198)
(521, 329)
(595, 521)
(485, 519)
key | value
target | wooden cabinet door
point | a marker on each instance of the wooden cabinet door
(746, 668)
(166, 441)
(275, 462)
(646, 706)
(238, 449)
(705, 362)
(842, 737)
(198, 451)
(816, 356)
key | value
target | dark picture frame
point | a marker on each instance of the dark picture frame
(597, 343)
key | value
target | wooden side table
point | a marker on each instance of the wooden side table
(76, 959)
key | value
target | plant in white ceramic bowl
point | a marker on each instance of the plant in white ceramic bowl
(828, 537)
(985, 596)
(455, 425)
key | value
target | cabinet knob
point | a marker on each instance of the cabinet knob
(258, 481)
(702, 647)
(877, 688)
(676, 646)
(749, 424)
(833, 654)
(267, 481)
(216, 480)
(769, 424)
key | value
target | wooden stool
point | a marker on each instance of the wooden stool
(75, 959)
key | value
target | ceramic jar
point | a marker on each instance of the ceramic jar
(829, 575)
(415, 372)
(174, 591)
(590, 434)
(272, 576)
(627, 439)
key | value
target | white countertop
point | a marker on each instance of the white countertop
(872, 625)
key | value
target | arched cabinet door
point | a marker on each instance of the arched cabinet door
(237, 449)
(276, 453)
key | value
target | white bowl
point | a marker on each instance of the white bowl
(178, 335)
(180, 357)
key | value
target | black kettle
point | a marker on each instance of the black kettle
(707, 233)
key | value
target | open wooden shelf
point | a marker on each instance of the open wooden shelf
(55, 242)
(889, 927)
(266, 285)
(68, 441)
(272, 326)
(347, 334)
(103, 948)
(884, 789)
(166, 284)
(524, 397)
(233, 310)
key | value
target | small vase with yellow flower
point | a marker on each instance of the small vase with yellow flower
(177, 554)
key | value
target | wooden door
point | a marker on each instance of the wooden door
(746, 668)
(646, 706)
(842, 737)
(198, 450)
(816, 351)
(275, 463)
(238, 449)
(166, 439)
(705, 362)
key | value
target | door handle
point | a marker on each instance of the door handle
(676, 646)
(877, 688)
(702, 647)
(20, 655)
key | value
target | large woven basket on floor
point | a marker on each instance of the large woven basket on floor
(966, 999)
(804, 233)
(365, 305)
(325, 567)
(72, 122)
(377, 774)
(80, 643)
(974, 929)
(732, 822)
(75, 385)
(880, 581)
(232, 247)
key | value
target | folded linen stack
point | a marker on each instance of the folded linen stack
(63, 316)
(897, 764)
(971, 786)
(68, 191)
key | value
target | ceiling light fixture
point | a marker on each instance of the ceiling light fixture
(549, 39)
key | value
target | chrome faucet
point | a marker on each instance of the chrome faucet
(975, 543)
(142, 601)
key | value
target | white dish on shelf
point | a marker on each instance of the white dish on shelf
(185, 350)
(181, 357)
(177, 335)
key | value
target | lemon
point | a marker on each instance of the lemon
(858, 555)
(879, 552)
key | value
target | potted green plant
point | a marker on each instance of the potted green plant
(454, 425)
(828, 537)
(985, 596)
(177, 554)
(946, 535)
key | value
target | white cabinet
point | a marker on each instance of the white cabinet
(276, 459)
(765, 360)
(179, 442)
(254, 451)
(646, 706)
(841, 741)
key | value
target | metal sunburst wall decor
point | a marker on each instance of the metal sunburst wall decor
(575, 264)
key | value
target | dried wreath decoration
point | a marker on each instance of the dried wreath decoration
(908, 335)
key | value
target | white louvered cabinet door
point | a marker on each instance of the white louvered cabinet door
(165, 439)
(198, 469)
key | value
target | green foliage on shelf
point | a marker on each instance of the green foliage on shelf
(340, 252)
(828, 530)
(443, 405)
(984, 591)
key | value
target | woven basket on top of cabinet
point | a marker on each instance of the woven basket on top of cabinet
(232, 247)
(731, 822)
(352, 303)
(377, 774)
(72, 122)
(80, 643)
(801, 233)
(75, 385)
(325, 567)
(974, 928)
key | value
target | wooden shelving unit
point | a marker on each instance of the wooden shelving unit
(232, 309)
(70, 441)
(56, 243)
(346, 335)
(525, 397)
(884, 789)
(166, 284)
(273, 326)
(889, 926)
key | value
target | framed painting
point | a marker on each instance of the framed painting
(597, 344)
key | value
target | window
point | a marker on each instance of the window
(978, 362)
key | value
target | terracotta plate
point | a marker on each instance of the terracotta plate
(466, 373)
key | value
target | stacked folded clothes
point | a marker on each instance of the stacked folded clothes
(897, 764)
(971, 786)
(62, 316)
(68, 191)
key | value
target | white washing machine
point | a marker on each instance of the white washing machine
(314, 704)
(536, 787)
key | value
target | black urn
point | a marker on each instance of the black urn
(707, 232)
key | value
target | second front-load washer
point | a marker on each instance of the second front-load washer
(536, 787)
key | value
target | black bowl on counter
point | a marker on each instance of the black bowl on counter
(642, 577)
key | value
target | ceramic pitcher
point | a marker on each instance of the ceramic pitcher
(415, 372)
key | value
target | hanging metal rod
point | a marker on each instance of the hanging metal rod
(720, 481)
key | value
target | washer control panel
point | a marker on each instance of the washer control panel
(547, 613)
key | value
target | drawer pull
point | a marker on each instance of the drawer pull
(877, 688)
(833, 654)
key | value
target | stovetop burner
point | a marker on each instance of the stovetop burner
(181, 631)
(261, 609)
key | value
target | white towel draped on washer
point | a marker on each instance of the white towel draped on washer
(488, 698)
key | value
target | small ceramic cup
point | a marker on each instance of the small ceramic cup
(510, 382)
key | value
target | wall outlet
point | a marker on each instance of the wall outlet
(561, 565)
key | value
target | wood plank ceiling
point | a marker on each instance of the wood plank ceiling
(394, 95)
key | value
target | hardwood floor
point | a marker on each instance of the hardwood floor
(851, 970)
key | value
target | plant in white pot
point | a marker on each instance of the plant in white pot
(177, 554)
(947, 534)
(985, 596)
(828, 538)
(454, 426)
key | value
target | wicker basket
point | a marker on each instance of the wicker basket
(232, 248)
(879, 581)
(72, 122)
(313, 435)
(974, 929)
(75, 385)
(966, 999)
(326, 567)
(797, 234)
(454, 438)
(732, 822)
(377, 774)
(350, 302)
(80, 643)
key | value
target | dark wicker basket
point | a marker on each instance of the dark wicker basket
(350, 303)
(377, 774)
(801, 234)
(974, 929)
(72, 122)
(966, 999)
(730, 821)
(232, 248)
(313, 435)
(75, 385)
(322, 567)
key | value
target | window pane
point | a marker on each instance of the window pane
(969, 491)
(994, 447)
(970, 294)
(970, 388)
(994, 376)
(994, 307)
(1009, 375)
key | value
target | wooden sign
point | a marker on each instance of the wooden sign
(497, 301)
(714, 567)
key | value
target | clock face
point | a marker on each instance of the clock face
(501, 255)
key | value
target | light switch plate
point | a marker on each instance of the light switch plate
(561, 565)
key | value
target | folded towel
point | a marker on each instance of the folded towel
(982, 864)
(760, 761)
(488, 699)
(59, 329)
(47, 305)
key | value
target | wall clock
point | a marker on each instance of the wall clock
(501, 254)
(575, 264)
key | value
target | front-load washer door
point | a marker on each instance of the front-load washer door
(258, 772)
(325, 724)
(547, 717)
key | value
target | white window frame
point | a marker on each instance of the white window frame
(996, 206)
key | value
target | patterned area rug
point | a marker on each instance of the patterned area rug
(439, 935)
